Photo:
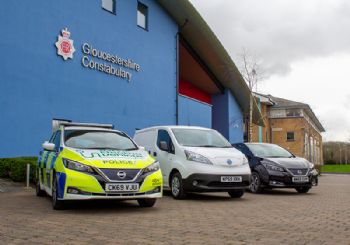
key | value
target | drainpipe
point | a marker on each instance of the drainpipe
(178, 69)
(177, 79)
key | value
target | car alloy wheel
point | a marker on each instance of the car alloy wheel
(176, 186)
(54, 191)
(255, 184)
(56, 204)
(39, 192)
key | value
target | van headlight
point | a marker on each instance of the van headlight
(152, 168)
(192, 156)
(77, 166)
(245, 161)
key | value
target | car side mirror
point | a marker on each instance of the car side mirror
(141, 148)
(48, 146)
(163, 146)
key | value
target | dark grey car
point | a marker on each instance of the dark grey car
(274, 167)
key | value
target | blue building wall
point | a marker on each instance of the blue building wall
(194, 113)
(235, 125)
(36, 85)
(228, 117)
(220, 114)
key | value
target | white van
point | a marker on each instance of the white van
(196, 159)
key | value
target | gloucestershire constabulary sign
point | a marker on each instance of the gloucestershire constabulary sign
(96, 59)
(109, 68)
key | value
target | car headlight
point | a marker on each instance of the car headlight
(245, 161)
(191, 156)
(273, 167)
(77, 166)
(152, 168)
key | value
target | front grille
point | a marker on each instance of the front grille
(112, 174)
(298, 171)
(228, 184)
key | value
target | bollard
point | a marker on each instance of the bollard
(28, 174)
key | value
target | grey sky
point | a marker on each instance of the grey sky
(304, 47)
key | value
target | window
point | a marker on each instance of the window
(104, 140)
(52, 137)
(311, 149)
(109, 5)
(163, 135)
(293, 113)
(290, 136)
(142, 16)
(57, 140)
(268, 151)
(307, 147)
(200, 138)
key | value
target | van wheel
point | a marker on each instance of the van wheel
(147, 202)
(255, 183)
(236, 193)
(176, 186)
(38, 191)
(56, 204)
(303, 189)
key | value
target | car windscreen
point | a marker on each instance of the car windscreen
(90, 139)
(200, 138)
(268, 151)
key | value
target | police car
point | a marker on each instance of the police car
(85, 161)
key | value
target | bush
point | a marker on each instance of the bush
(5, 167)
(15, 168)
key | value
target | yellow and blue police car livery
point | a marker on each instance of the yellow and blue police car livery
(81, 172)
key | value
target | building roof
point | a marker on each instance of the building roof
(264, 98)
(280, 103)
(198, 34)
(284, 103)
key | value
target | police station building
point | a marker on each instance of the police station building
(131, 63)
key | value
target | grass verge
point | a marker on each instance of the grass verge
(336, 168)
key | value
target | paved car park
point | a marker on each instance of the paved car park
(276, 217)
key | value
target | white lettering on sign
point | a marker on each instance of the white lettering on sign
(115, 66)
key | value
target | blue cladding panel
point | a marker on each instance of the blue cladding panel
(227, 117)
(235, 126)
(194, 113)
(220, 114)
(37, 85)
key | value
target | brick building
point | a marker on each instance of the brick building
(290, 124)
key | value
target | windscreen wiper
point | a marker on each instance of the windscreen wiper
(103, 148)
(131, 149)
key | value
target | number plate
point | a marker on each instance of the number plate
(117, 187)
(231, 178)
(300, 179)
